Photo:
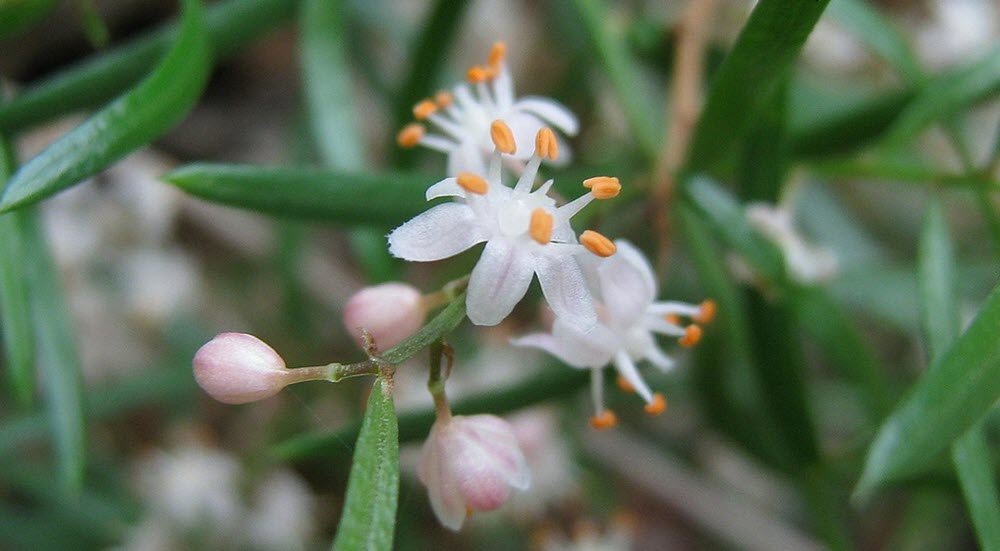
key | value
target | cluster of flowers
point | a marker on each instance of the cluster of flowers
(602, 292)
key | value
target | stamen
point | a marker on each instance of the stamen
(692, 334)
(444, 99)
(472, 183)
(657, 406)
(476, 74)
(410, 135)
(624, 385)
(597, 244)
(540, 227)
(589, 182)
(497, 53)
(604, 187)
(502, 137)
(546, 145)
(424, 109)
(605, 420)
(672, 319)
(706, 313)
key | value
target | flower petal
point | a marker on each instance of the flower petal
(445, 496)
(551, 112)
(466, 157)
(443, 231)
(498, 282)
(566, 290)
(445, 188)
(593, 348)
(626, 283)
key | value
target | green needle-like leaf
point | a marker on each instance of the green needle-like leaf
(877, 32)
(750, 75)
(342, 197)
(369, 516)
(18, 14)
(126, 124)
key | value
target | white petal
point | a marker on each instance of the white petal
(564, 351)
(445, 496)
(628, 370)
(441, 232)
(627, 284)
(594, 347)
(466, 158)
(498, 282)
(524, 126)
(551, 112)
(565, 290)
(445, 188)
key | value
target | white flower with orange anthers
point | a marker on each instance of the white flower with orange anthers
(805, 262)
(629, 319)
(462, 118)
(524, 231)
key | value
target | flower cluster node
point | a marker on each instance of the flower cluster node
(604, 420)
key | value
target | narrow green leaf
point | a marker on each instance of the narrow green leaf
(444, 323)
(847, 128)
(973, 462)
(879, 34)
(126, 124)
(954, 393)
(750, 74)
(18, 14)
(93, 26)
(946, 96)
(369, 516)
(613, 55)
(57, 355)
(342, 197)
(15, 313)
(231, 24)
(897, 169)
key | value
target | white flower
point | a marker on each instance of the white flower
(463, 118)
(629, 319)
(469, 464)
(805, 262)
(524, 231)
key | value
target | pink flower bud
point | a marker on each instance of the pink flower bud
(391, 312)
(236, 368)
(469, 464)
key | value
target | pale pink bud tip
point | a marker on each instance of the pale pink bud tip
(236, 368)
(390, 312)
(470, 464)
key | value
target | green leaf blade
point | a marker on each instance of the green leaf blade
(130, 122)
(369, 517)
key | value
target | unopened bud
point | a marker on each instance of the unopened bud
(470, 464)
(390, 312)
(236, 368)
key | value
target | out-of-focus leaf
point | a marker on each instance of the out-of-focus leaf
(15, 313)
(974, 464)
(130, 122)
(58, 361)
(18, 14)
(369, 518)
(898, 170)
(750, 75)
(231, 25)
(878, 33)
(954, 393)
(945, 96)
(94, 27)
(611, 51)
(342, 197)
(846, 128)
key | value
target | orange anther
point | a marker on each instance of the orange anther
(477, 74)
(692, 334)
(502, 137)
(597, 244)
(672, 319)
(604, 187)
(605, 420)
(540, 227)
(589, 182)
(546, 145)
(497, 53)
(624, 385)
(657, 406)
(424, 109)
(443, 99)
(410, 135)
(472, 183)
(707, 312)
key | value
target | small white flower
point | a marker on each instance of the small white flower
(629, 319)
(469, 464)
(463, 118)
(524, 231)
(805, 262)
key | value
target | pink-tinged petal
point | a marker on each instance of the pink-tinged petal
(626, 368)
(550, 112)
(390, 312)
(445, 496)
(498, 282)
(565, 290)
(445, 188)
(627, 284)
(441, 232)
(237, 368)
